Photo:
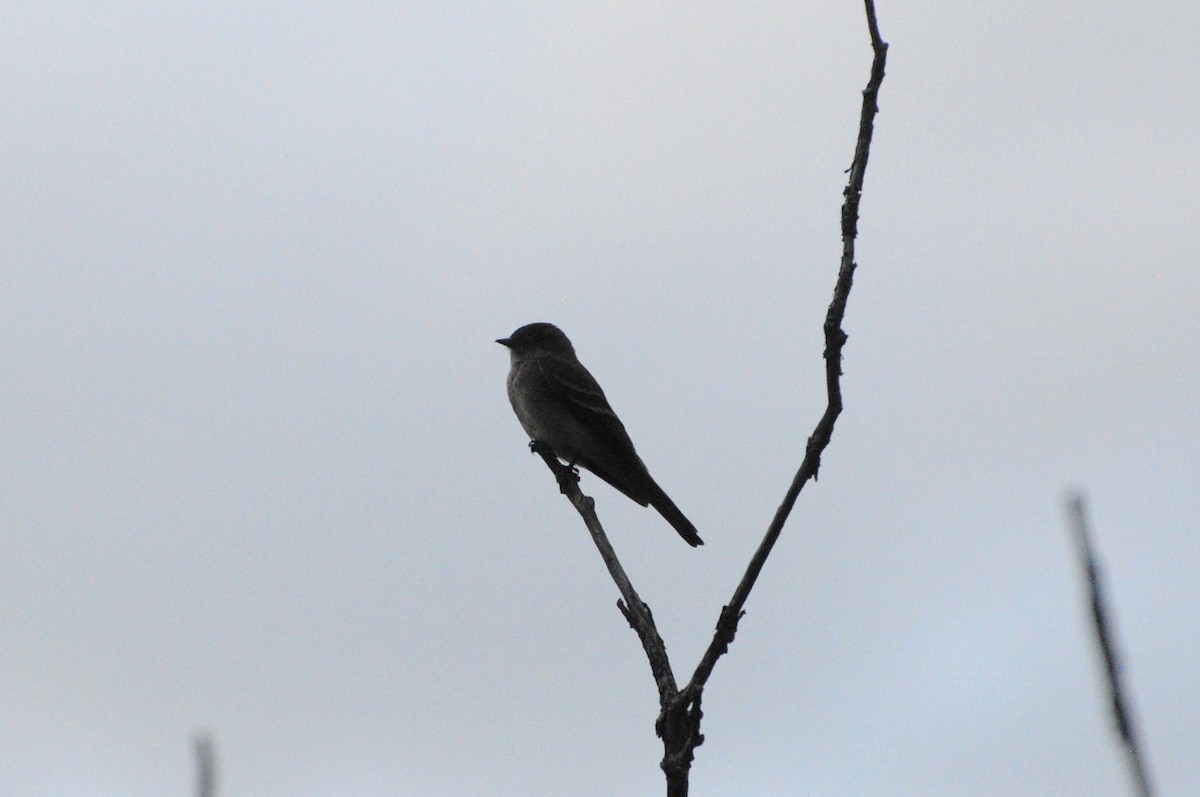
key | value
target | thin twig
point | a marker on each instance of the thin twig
(835, 339)
(636, 612)
(1105, 639)
(206, 765)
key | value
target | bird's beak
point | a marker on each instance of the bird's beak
(504, 342)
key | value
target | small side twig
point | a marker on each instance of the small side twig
(1105, 639)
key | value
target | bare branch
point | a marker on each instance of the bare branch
(678, 723)
(636, 612)
(1105, 639)
(835, 339)
(206, 766)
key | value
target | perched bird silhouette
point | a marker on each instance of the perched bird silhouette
(561, 405)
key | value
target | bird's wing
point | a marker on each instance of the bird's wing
(572, 387)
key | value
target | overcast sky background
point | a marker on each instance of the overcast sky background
(260, 477)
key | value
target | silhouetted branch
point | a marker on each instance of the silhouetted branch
(1122, 716)
(835, 339)
(636, 612)
(206, 766)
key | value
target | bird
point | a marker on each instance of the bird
(560, 405)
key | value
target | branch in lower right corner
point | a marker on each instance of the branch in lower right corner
(1105, 640)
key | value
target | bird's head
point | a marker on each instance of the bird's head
(537, 338)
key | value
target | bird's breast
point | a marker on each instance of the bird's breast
(541, 414)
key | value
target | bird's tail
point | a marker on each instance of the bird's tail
(666, 507)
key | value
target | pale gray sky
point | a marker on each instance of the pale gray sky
(260, 476)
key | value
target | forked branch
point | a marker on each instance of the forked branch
(678, 723)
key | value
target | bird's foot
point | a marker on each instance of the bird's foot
(567, 474)
(567, 477)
